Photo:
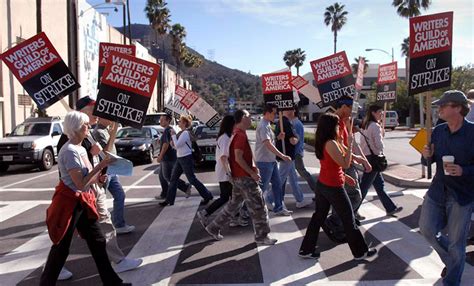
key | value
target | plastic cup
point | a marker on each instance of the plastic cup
(446, 161)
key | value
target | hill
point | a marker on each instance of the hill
(213, 81)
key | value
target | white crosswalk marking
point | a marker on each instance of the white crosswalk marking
(14, 209)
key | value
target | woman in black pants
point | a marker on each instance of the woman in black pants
(330, 191)
(222, 168)
(73, 205)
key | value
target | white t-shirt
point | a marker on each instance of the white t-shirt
(182, 144)
(72, 157)
(222, 149)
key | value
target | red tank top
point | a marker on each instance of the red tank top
(331, 174)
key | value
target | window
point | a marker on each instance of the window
(57, 128)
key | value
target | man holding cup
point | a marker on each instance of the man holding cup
(446, 212)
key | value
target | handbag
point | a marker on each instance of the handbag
(378, 162)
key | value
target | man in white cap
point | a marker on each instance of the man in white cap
(447, 207)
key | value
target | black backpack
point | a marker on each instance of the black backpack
(197, 155)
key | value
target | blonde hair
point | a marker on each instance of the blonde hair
(73, 122)
(186, 118)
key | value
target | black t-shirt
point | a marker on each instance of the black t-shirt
(289, 133)
(170, 154)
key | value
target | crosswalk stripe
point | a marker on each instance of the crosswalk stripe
(16, 208)
(161, 244)
(30, 179)
(285, 253)
(19, 263)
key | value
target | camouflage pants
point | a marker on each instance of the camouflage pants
(245, 190)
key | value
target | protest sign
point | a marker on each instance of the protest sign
(200, 108)
(277, 89)
(333, 77)
(360, 74)
(387, 83)
(104, 51)
(430, 52)
(126, 88)
(39, 68)
(306, 88)
(173, 105)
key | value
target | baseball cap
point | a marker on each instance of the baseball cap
(83, 102)
(454, 96)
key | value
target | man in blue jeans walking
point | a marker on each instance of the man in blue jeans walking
(447, 207)
(265, 157)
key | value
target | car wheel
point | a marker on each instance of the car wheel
(47, 160)
(150, 156)
(4, 167)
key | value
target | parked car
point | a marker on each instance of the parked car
(391, 119)
(206, 139)
(138, 144)
(34, 141)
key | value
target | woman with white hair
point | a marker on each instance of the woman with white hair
(73, 205)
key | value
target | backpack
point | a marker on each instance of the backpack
(196, 152)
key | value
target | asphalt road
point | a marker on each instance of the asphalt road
(176, 249)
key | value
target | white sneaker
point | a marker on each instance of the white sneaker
(125, 229)
(217, 236)
(266, 241)
(64, 274)
(303, 204)
(203, 219)
(284, 212)
(127, 264)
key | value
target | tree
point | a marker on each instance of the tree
(299, 57)
(191, 60)
(336, 17)
(405, 47)
(408, 9)
(178, 33)
(289, 58)
(355, 65)
(159, 17)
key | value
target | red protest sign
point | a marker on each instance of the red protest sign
(131, 74)
(189, 99)
(360, 74)
(298, 82)
(31, 57)
(276, 82)
(180, 91)
(431, 34)
(331, 68)
(106, 48)
(387, 73)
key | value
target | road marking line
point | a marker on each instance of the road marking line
(13, 209)
(160, 245)
(30, 179)
(20, 262)
(284, 252)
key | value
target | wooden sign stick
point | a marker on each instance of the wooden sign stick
(428, 129)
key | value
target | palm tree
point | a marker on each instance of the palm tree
(289, 58)
(405, 47)
(191, 60)
(355, 65)
(159, 17)
(300, 57)
(336, 17)
(178, 33)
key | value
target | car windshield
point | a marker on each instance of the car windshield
(30, 129)
(204, 132)
(134, 133)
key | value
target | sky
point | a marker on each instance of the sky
(253, 35)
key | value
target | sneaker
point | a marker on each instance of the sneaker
(266, 241)
(309, 255)
(359, 217)
(396, 210)
(187, 193)
(238, 222)
(127, 264)
(303, 204)
(64, 274)
(371, 252)
(218, 236)
(202, 217)
(125, 229)
(165, 203)
(284, 212)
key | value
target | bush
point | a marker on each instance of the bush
(309, 138)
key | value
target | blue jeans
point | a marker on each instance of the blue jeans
(451, 247)
(269, 173)
(288, 171)
(166, 167)
(186, 165)
(117, 192)
(375, 178)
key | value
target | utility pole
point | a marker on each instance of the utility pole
(39, 29)
(129, 24)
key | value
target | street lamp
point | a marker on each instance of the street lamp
(380, 50)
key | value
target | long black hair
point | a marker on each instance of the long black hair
(327, 130)
(369, 117)
(227, 126)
